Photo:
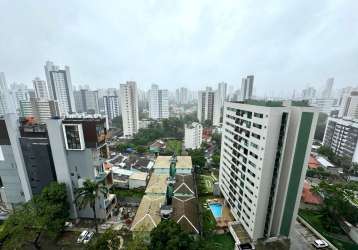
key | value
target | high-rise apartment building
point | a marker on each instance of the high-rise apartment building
(324, 105)
(222, 88)
(86, 101)
(308, 93)
(158, 103)
(6, 105)
(193, 135)
(341, 136)
(129, 107)
(60, 87)
(19, 92)
(247, 85)
(40, 87)
(327, 91)
(264, 153)
(39, 109)
(79, 149)
(209, 106)
(349, 105)
(182, 95)
(111, 106)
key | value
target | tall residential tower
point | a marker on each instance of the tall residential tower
(129, 107)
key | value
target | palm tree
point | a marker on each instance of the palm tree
(88, 194)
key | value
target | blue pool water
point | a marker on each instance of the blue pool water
(216, 209)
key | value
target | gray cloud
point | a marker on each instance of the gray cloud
(286, 44)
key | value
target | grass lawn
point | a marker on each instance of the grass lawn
(136, 193)
(223, 241)
(316, 219)
(175, 146)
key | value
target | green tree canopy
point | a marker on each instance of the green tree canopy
(46, 214)
(169, 235)
(109, 240)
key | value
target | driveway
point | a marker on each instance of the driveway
(302, 238)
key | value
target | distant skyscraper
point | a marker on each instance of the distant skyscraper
(327, 91)
(209, 106)
(40, 87)
(6, 105)
(222, 87)
(19, 92)
(182, 95)
(247, 85)
(129, 107)
(308, 93)
(60, 87)
(111, 106)
(158, 103)
(86, 101)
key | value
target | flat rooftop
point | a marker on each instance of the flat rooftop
(139, 176)
(157, 184)
(182, 162)
(148, 213)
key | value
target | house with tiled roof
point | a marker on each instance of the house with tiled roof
(184, 185)
(185, 213)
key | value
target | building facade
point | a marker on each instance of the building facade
(158, 103)
(341, 136)
(60, 87)
(129, 107)
(79, 150)
(247, 85)
(86, 101)
(209, 106)
(40, 87)
(111, 106)
(193, 135)
(40, 109)
(264, 155)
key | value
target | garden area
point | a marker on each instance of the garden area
(328, 227)
(135, 193)
(206, 183)
(174, 146)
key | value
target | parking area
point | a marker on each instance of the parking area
(302, 238)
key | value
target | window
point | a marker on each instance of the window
(258, 115)
(256, 125)
(256, 136)
(73, 136)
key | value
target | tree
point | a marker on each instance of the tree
(169, 235)
(87, 196)
(46, 214)
(139, 242)
(216, 160)
(141, 149)
(109, 240)
(197, 157)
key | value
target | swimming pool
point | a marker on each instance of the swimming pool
(216, 209)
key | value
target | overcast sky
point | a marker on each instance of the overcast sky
(286, 44)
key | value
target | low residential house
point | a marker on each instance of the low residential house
(142, 164)
(138, 180)
(185, 213)
(308, 196)
(313, 163)
(157, 185)
(157, 146)
(121, 177)
(148, 214)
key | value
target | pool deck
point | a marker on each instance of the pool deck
(222, 222)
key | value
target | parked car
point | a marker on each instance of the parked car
(88, 237)
(82, 236)
(320, 244)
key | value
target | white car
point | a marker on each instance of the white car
(88, 237)
(82, 236)
(320, 244)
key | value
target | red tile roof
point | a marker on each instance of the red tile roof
(312, 162)
(308, 196)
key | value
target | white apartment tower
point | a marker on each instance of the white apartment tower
(222, 87)
(193, 136)
(209, 106)
(111, 106)
(247, 86)
(60, 87)
(5, 98)
(40, 87)
(158, 103)
(264, 154)
(349, 105)
(129, 107)
(40, 109)
(327, 91)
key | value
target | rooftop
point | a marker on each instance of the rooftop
(148, 213)
(139, 176)
(185, 213)
(184, 184)
(164, 162)
(157, 184)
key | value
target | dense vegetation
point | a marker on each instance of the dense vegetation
(45, 214)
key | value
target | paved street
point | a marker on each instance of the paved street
(302, 238)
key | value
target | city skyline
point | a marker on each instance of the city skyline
(174, 45)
